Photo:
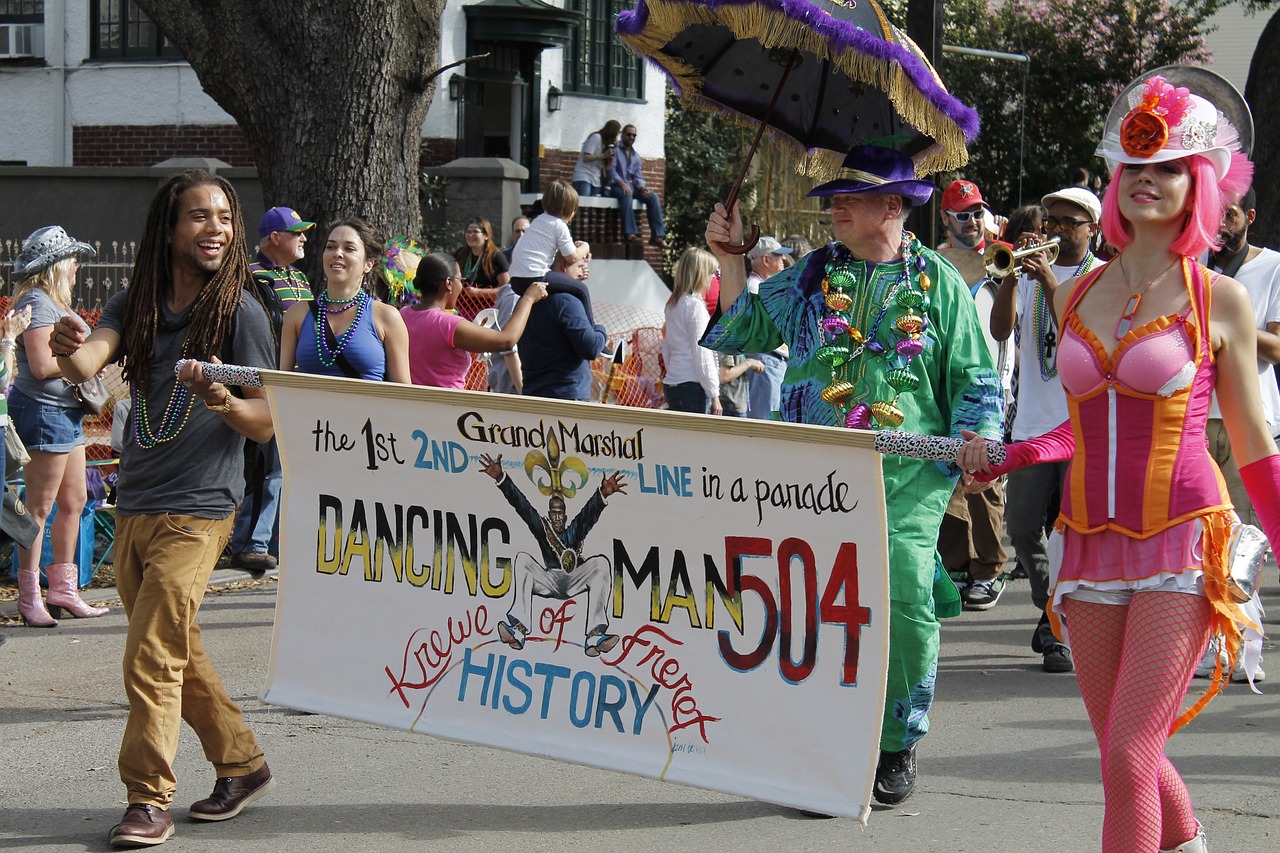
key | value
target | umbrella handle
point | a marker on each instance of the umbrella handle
(746, 245)
(749, 243)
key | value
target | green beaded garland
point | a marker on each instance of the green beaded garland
(832, 355)
(841, 279)
(910, 299)
(901, 379)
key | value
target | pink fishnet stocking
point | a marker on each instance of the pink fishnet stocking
(1133, 664)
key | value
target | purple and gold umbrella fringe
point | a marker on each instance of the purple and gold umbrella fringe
(820, 164)
(900, 71)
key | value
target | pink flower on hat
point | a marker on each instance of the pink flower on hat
(1146, 128)
(1168, 102)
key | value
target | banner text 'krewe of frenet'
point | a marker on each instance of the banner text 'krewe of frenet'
(695, 599)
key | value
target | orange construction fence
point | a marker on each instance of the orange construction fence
(636, 381)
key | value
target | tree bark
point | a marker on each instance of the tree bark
(1264, 99)
(330, 95)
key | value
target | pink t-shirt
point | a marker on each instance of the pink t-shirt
(432, 357)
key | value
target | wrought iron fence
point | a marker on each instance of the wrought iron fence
(99, 278)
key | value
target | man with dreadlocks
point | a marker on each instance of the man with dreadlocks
(181, 478)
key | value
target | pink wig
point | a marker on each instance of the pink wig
(1209, 196)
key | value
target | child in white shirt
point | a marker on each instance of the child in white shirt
(547, 235)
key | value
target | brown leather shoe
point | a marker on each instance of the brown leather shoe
(142, 826)
(232, 793)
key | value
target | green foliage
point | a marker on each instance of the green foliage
(704, 156)
(1082, 53)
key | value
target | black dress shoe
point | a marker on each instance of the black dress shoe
(143, 825)
(1057, 658)
(232, 793)
(895, 776)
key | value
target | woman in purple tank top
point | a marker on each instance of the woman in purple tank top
(346, 332)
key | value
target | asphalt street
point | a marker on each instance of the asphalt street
(1010, 765)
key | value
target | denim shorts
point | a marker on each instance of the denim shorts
(51, 429)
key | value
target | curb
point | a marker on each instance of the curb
(220, 577)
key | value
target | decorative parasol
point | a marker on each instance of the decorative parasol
(822, 76)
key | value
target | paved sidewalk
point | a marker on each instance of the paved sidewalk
(1010, 765)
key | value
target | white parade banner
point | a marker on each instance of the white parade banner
(694, 599)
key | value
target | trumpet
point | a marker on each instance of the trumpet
(1001, 259)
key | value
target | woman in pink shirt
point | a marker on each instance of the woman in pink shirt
(441, 341)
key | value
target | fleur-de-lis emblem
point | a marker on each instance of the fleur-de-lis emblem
(557, 480)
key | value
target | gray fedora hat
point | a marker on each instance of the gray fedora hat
(45, 247)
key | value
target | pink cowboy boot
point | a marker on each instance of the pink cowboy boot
(30, 604)
(64, 592)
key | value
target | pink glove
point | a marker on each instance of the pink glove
(1262, 482)
(1056, 445)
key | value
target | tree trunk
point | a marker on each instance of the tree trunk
(1264, 99)
(330, 94)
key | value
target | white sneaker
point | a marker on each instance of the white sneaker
(1239, 676)
(1212, 655)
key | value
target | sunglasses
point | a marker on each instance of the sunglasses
(966, 215)
(1053, 223)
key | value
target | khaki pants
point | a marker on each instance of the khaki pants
(163, 563)
(1220, 450)
(970, 536)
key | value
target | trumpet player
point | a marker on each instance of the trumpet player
(1025, 297)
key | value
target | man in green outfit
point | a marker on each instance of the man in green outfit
(882, 333)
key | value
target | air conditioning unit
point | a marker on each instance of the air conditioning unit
(21, 41)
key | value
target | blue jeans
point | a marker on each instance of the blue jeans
(686, 397)
(652, 209)
(43, 426)
(260, 539)
(585, 189)
(766, 388)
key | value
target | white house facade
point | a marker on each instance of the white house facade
(92, 83)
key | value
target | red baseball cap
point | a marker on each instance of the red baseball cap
(961, 195)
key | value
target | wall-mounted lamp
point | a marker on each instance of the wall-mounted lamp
(455, 87)
(553, 99)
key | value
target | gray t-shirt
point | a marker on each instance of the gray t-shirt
(51, 392)
(200, 471)
(499, 377)
(735, 394)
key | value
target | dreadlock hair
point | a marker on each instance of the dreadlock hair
(212, 314)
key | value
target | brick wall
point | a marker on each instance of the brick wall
(559, 164)
(437, 151)
(146, 145)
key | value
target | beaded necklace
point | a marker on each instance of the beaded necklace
(847, 344)
(176, 414)
(175, 417)
(1044, 329)
(346, 304)
(328, 357)
(471, 268)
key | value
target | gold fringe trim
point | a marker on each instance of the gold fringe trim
(775, 29)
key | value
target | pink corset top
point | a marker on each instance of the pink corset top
(1156, 358)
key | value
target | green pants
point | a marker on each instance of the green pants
(913, 667)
